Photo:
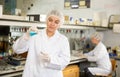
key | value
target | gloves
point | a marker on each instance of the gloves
(32, 30)
(44, 57)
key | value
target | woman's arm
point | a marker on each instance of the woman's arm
(21, 44)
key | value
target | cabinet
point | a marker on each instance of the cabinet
(114, 23)
(71, 71)
(113, 19)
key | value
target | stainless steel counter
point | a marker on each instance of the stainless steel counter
(7, 70)
(10, 70)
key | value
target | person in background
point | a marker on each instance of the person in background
(99, 55)
(48, 50)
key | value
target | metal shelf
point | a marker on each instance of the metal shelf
(12, 22)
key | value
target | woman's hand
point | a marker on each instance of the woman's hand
(31, 31)
(44, 57)
(34, 29)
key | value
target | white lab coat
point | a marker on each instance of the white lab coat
(99, 55)
(57, 47)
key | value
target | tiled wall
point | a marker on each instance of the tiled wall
(42, 7)
(111, 39)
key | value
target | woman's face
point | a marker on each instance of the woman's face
(53, 23)
(94, 40)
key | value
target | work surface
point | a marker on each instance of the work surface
(10, 70)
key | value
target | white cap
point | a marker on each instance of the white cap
(56, 13)
(98, 36)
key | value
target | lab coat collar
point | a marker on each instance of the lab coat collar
(52, 37)
(98, 44)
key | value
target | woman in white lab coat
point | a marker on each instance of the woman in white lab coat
(99, 55)
(48, 51)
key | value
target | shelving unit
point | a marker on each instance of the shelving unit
(7, 22)
(12, 22)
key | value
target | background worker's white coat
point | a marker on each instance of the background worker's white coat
(57, 48)
(99, 55)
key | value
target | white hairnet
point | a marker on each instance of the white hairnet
(97, 35)
(56, 13)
